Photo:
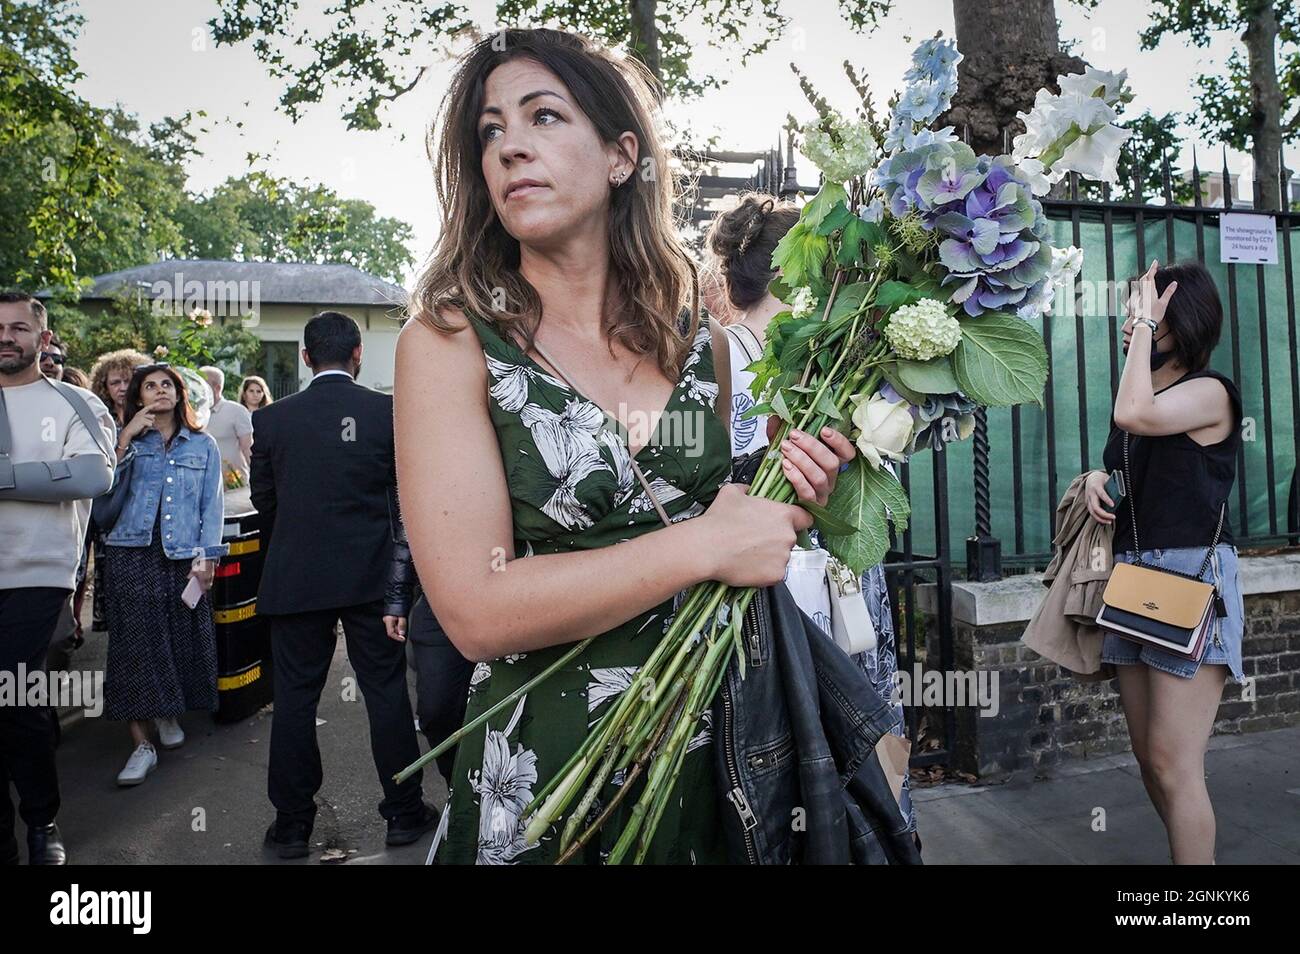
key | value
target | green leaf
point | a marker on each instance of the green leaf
(1000, 361)
(847, 300)
(827, 197)
(780, 408)
(868, 499)
(890, 373)
(826, 406)
(836, 219)
(928, 377)
(780, 290)
(828, 522)
(894, 295)
(801, 255)
(856, 240)
(756, 410)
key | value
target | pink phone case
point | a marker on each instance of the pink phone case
(192, 593)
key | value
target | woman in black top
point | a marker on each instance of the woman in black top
(1183, 421)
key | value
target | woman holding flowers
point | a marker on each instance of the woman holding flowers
(548, 353)
(742, 241)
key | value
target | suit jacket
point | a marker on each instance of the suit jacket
(321, 477)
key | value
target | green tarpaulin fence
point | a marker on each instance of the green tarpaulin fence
(1269, 427)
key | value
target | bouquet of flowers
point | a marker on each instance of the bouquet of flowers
(908, 277)
(232, 476)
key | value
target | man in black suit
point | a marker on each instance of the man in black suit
(321, 477)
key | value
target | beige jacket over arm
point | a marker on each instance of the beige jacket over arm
(1064, 628)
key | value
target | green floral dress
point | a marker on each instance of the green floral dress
(572, 488)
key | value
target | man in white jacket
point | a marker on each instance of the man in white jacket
(40, 547)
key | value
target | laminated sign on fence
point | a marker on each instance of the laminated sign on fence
(1247, 238)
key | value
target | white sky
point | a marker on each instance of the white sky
(156, 59)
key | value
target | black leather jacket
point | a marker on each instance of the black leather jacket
(403, 586)
(795, 747)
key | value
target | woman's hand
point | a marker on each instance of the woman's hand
(812, 465)
(1146, 302)
(1095, 495)
(141, 422)
(748, 539)
(203, 571)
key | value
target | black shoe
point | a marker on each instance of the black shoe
(9, 850)
(45, 846)
(288, 840)
(408, 828)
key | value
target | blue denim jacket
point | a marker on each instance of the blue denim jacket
(187, 479)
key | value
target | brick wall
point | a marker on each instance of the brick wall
(1046, 715)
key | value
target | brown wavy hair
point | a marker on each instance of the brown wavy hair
(655, 278)
(744, 239)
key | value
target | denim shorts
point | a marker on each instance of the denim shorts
(1222, 646)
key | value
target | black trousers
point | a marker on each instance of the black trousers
(27, 618)
(302, 645)
(442, 677)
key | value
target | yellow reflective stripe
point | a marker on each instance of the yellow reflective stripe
(237, 614)
(239, 680)
(245, 546)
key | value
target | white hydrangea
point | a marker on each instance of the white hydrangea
(923, 330)
(849, 153)
(802, 304)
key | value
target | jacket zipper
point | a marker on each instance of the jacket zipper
(756, 632)
(748, 820)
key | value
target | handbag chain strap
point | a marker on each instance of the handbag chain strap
(1132, 510)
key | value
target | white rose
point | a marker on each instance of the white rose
(885, 428)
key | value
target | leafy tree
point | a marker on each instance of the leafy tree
(1243, 105)
(259, 217)
(75, 168)
(375, 51)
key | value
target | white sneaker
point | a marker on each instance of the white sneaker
(170, 733)
(142, 761)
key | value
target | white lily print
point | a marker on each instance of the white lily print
(563, 505)
(705, 735)
(607, 683)
(504, 787)
(570, 432)
(511, 388)
(482, 673)
(622, 465)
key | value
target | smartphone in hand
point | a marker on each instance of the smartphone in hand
(1115, 490)
(192, 593)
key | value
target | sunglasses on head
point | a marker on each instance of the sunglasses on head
(151, 368)
(53, 356)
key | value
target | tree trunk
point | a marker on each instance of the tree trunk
(1265, 101)
(1010, 49)
(644, 40)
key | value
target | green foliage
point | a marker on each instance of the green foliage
(867, 499)
(374, 51)
(65, 176)
(259, 217)
(1226, 108)
(1000, 361)
(131, 322)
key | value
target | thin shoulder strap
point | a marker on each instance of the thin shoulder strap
(645, 484)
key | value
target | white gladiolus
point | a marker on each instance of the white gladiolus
(885, 428)
(1109, 87)
(1074, 131)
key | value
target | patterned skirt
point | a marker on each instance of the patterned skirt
(162, 655)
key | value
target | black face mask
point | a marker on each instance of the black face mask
(1158, 358)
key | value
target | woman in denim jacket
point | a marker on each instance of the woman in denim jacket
(162, 655)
